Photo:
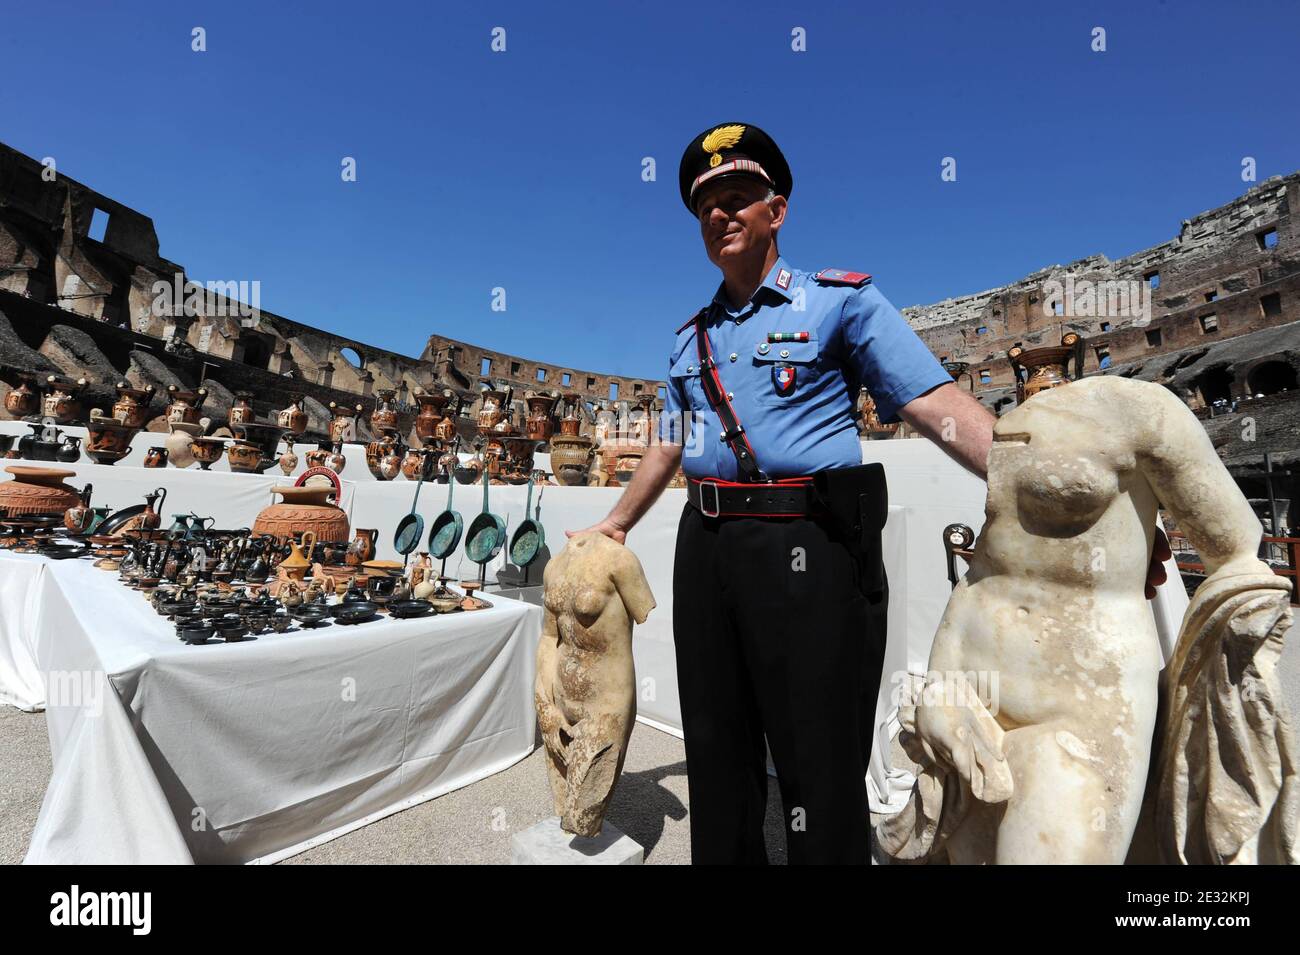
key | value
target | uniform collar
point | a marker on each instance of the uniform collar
(779, 275)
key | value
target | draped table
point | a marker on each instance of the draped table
(252, 751)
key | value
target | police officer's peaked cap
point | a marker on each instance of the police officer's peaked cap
(732, 149)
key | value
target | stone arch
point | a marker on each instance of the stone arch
(1214, 384)
(353, 356)
(1270, 377)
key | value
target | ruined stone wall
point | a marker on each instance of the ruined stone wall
(1231, 271)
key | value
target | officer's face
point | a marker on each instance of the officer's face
(736, 219)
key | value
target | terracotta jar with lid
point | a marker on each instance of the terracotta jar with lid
(185, 405)
(302, 510)
(37, 492)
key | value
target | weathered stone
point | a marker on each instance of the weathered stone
(77, 355)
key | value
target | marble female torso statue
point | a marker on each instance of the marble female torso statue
(1052, 614)
(585, 691)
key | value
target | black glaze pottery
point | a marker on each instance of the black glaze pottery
(355, 611)
(409, 608)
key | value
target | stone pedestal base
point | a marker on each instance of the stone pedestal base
(547, 844)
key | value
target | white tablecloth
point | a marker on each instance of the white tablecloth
(22, 583)
(168, 753)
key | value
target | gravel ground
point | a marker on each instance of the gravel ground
(474, 824)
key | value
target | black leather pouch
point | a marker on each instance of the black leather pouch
(857, 500)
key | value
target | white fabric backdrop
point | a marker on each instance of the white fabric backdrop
(167, 753)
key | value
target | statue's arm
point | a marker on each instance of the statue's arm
(1191, 482)
(549, 718)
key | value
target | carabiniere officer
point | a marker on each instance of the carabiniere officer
(778, 589)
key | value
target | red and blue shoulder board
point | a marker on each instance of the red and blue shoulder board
(840, 277)
(691, 321)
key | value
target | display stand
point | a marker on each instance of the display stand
(547, 844)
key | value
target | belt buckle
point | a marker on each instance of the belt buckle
(717, 505)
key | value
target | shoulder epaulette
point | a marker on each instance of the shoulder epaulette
(840, 277)
(691, 321)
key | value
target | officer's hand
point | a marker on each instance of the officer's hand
(1160, 553)
(606, 527)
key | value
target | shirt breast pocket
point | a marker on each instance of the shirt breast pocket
(685, 375)
(790, 367)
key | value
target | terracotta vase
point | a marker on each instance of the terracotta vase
(336, 460)
(411, 464)
(316, 456)
(540, 424)
(343, 425)
(244, 457)
(295, 566)
(571, 458)
(384, 418)
(185, 406)
(305, 509)
(294, 417)
(288, 460)
(207, 451)
(430, 416)
(241, 412)
(108, 440)
(79, 517)
(132, 405)
(1039, 369)
(155, 458)
(37, 492)
(362, 548)
(23, 401)
(63, 399)
(492, 411)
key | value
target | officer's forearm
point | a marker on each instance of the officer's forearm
(657, 467)
(956, 422)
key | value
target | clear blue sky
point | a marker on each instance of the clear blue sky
(523, 169)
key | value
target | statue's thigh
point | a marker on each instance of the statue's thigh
(1070, 806)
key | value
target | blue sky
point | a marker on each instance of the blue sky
(522, 169)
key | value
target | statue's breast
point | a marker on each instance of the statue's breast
(1057, 491)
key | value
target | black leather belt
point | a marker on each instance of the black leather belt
(716, 498)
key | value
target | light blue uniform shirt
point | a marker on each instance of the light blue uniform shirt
(855, 337)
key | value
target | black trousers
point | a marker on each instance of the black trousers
(775, 639)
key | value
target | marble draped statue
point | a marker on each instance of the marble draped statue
(1088, 752)
(586, 687)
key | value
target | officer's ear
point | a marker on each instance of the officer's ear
(778, 206)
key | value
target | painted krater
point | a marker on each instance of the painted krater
(207, 451)
(108, 440)
(244, 457)
(491, 411)
(23, 400)
(63, 399)
(1039, 369)
(132, 405)
(343, 427)
(540, 423)
(430, 416)
(571, 457)
(384, 418)
(185, 406)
